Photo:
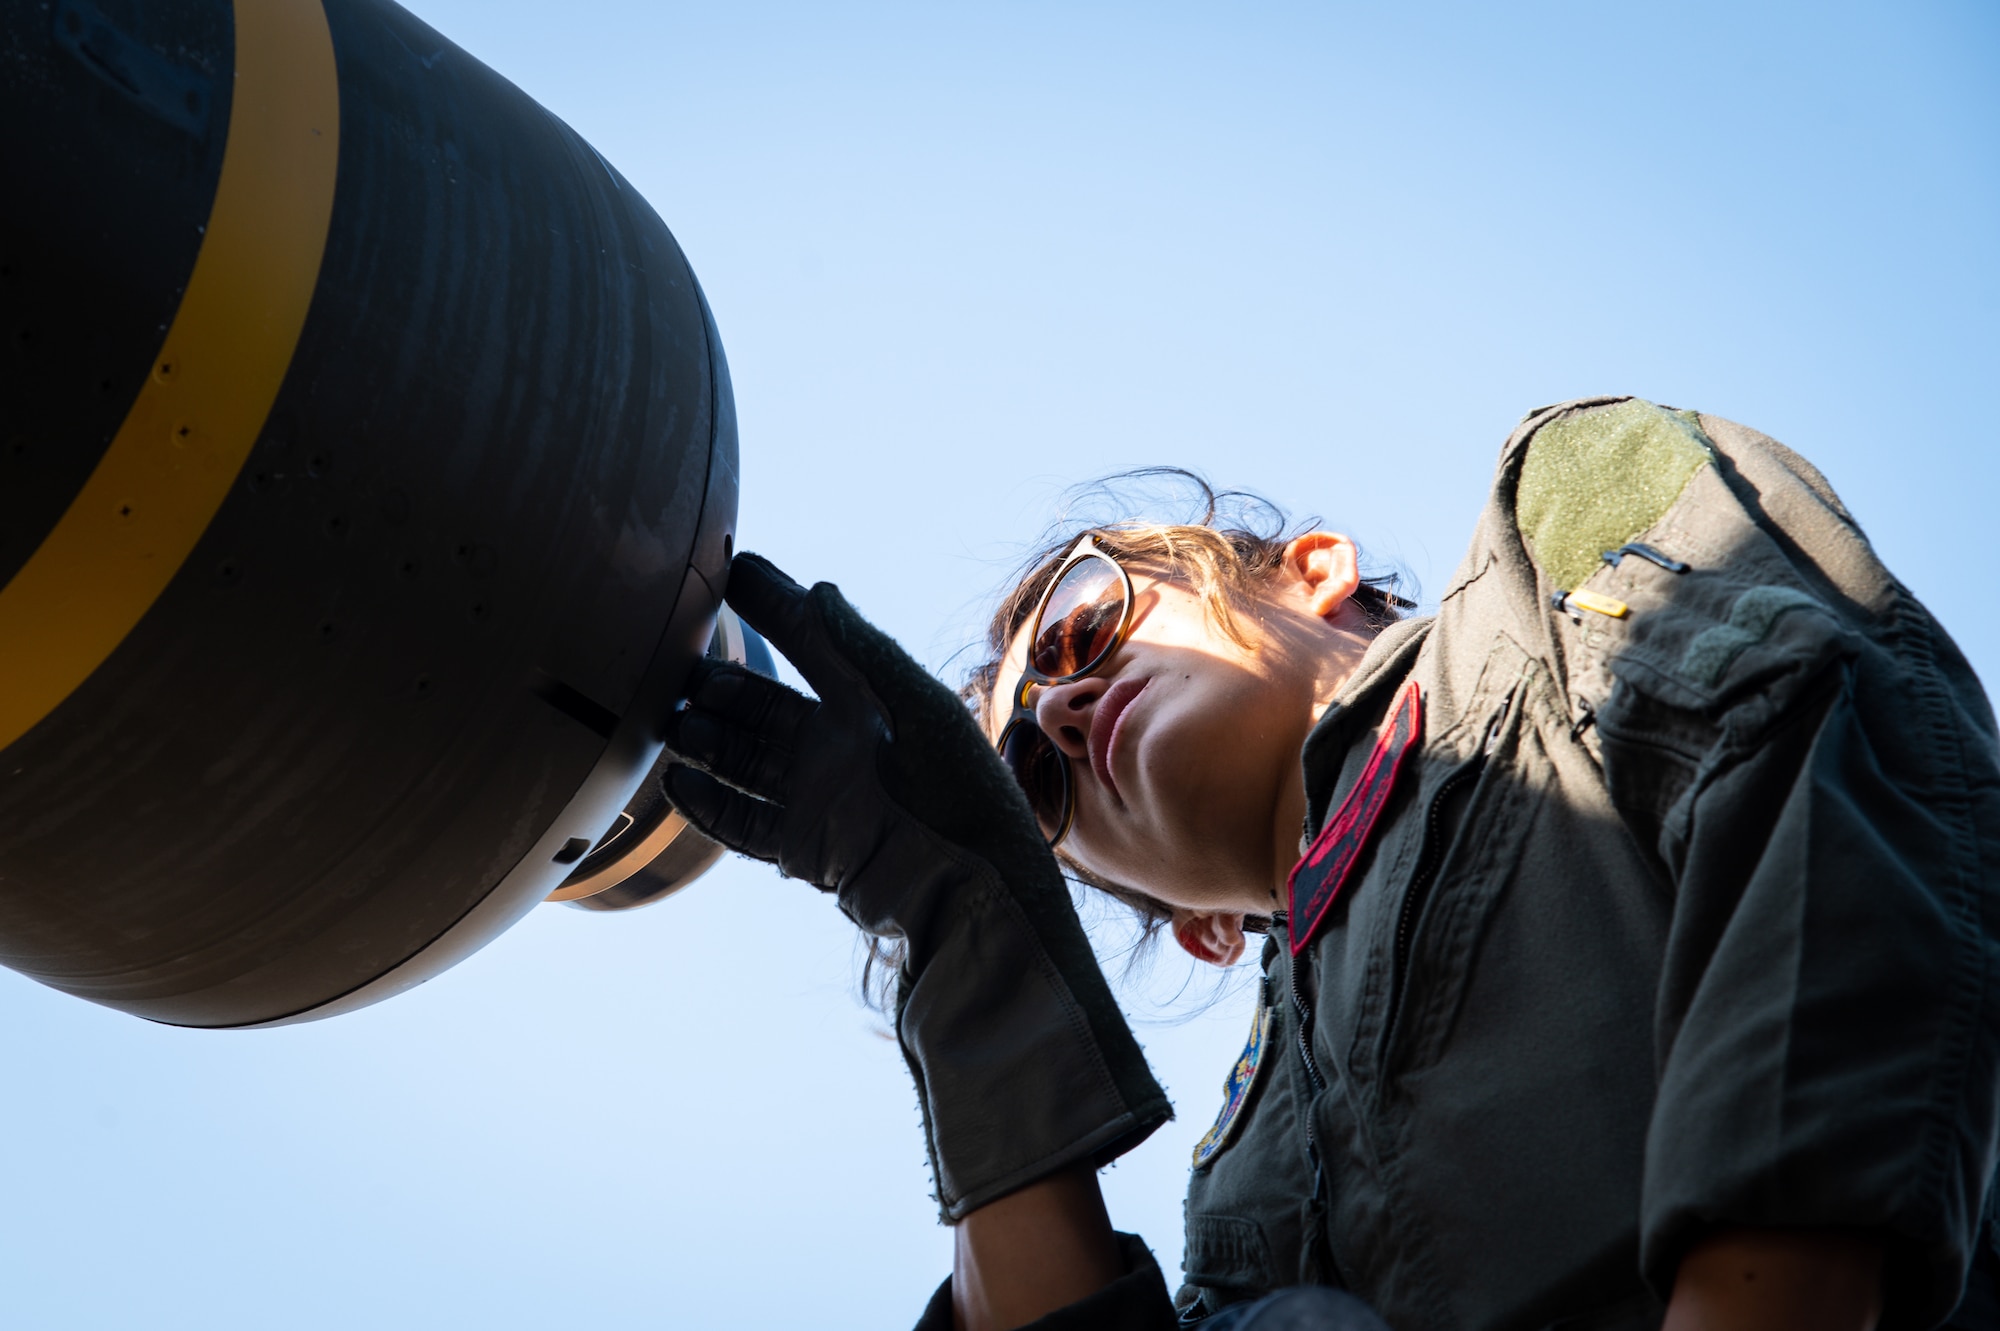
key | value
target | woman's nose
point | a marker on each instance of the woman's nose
(1063, 711)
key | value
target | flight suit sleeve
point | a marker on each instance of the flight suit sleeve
(1136, 1301)
(1817, 769)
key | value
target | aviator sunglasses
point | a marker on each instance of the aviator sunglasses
(1081, 619)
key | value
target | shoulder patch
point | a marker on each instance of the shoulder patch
(1594, 480)
(1236, 1089)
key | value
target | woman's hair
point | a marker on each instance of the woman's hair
(1219, 554)
(1224, 545)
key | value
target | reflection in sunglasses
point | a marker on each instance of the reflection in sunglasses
(1081, 620)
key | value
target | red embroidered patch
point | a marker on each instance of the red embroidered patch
(1331, 857)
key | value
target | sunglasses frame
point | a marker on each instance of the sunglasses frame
(1024, 714)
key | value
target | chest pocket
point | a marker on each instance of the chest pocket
(1474, 806)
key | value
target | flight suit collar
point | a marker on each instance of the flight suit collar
(1363, 702)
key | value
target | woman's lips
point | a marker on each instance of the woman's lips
(1104, 720)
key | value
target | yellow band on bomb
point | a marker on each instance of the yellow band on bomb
(204, 403)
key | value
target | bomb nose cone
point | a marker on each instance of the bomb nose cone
(368, 477)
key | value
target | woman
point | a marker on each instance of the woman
(1636, 962)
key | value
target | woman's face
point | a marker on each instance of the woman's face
(1184, 745)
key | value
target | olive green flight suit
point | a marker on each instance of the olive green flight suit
(1684, 914)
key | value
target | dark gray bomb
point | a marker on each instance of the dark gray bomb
(367, 485)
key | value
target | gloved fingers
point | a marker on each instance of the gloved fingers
(733, 753)
(778, 608)
(749, 826)
(741, 698)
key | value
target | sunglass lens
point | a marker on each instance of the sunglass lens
(1079, 622)
(1041, 772)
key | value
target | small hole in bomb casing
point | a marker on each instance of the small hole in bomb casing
(326, 630)
(317, 465)
(573, 850)
(336, 526)
(480, 612)
(407, 569)
(476, 559)
(227, 573)
(423, 686)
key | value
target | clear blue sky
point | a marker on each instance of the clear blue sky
(962, 256)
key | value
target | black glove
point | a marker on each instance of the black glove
(884, 791)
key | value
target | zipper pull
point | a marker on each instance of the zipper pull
(1493, 731)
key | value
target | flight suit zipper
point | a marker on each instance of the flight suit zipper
(1429, 860)
(1317, 1082)
(1427, 863)
(1314, 1078)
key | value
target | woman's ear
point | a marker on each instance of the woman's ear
(1329, 566)
(1215, 937)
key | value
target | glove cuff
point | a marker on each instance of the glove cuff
(1024, 1065)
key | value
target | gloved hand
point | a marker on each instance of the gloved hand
(885, 792)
